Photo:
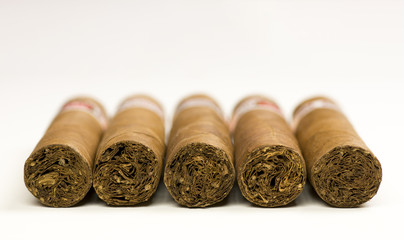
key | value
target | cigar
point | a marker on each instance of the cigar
(341, 168)
(270, 169)
(130, 156)
(199, 170)
(59, 170)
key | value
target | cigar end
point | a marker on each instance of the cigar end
(272, 176)
(347, 176)
(126, 173)
(57, 175)
(199, 175)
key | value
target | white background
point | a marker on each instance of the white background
(350, 50)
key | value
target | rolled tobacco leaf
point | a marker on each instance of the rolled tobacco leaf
(199, 170)
(130, 157)
(270, 169)
(59, 170)
(341, 168)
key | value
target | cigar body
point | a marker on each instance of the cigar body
(270, 169)
(342, 169)
(130, 157)
(199, 170)
(59, 170)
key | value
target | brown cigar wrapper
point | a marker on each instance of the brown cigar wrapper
(59, 170)
(270, 169)
(199, 170)
(342, 169)
(130, 157)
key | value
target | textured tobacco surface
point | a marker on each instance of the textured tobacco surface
(270, 169)
(341, 168)
(59, 170)
(57, 176)
(199, 170)
(126, 174)
(272, 176)
(347, 176)
(130, 157)
(199, 175)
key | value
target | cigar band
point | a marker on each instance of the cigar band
(199, 102)
(255, 103)
(141, 102)
(88, 107)
(308, 107)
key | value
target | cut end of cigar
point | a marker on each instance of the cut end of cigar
(272, 176)
(199, 175)
(57, 176)
(347, 176)
(126, 173)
